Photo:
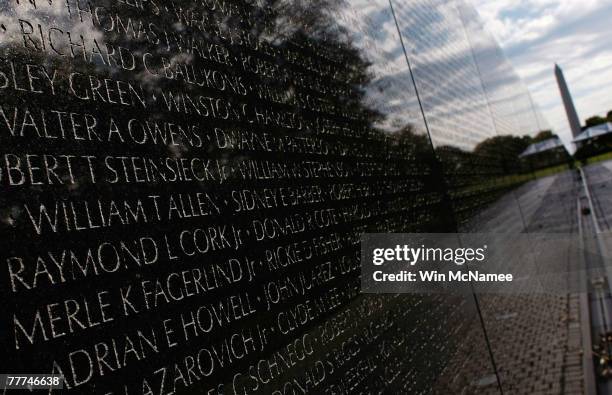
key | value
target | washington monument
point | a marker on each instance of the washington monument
(570, 110)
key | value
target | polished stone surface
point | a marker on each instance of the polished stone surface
(185, 184)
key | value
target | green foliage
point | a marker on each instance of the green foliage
(599, 158)
(542, 136)
(596, 120)
(510, 146)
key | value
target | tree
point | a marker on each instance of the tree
(595, 120)
(500, 146)
(609, 117)
(543, 135)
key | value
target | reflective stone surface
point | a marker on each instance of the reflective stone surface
(185, 184)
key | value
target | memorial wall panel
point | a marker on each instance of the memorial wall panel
(518, 327)
(185, 185)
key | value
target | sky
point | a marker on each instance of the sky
(576, 34)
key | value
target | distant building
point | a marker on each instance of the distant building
(543, 146)
(570, 109)
(545, 153)
(594, 132)
(594, 141)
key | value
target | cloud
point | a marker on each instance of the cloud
(535, 34)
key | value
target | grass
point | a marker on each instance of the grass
(549, 171)
(513, 180)
(599, 158)
(509, 181)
